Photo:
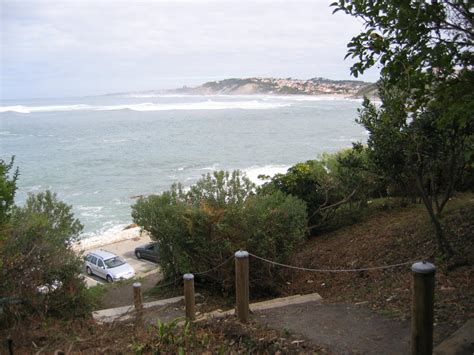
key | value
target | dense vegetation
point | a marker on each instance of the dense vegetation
(333, 186)
(420, 148)
(39, 270)
(422, 134)
(202, 228)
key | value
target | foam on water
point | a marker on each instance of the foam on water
(149, 106)
(253, 172)
(51, 108)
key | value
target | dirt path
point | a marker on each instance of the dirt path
(342, 328)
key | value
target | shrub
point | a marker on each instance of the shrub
(336, 180)
(39, 267)
(7, 191)
(202, 228)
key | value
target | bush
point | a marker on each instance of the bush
(340, 180)
(202, 228)
(39, 267)
(7, 191)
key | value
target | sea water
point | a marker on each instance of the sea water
(99, 153)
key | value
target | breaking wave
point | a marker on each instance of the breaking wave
(148, 106)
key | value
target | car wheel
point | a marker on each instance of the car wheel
(109, 278)
(89, 271)
(138, 255)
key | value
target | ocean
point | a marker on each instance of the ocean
(99, 153)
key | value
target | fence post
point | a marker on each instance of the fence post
(137, 297)
(422, 308)
(242, 285)
(189, 299)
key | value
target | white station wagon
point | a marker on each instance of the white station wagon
(108, 266)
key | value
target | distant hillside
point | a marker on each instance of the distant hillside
(370, 91)
(288, 86)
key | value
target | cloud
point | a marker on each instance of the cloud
(133, 41)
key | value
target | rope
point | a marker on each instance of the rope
(199, 273)
(169, 283)
(332, 270)
(215, 267)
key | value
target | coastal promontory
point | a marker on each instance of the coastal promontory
(278, 86)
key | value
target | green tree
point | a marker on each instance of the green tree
(39, 266)
(326, 185)
(422, 133)
(419, 44)
(7, 189)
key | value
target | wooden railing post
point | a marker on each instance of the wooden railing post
(137, 297)
(422, 308)
(242, 285)
(189, 299)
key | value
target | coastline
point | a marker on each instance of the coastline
(131, 235)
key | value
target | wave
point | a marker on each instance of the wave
(53, 108)
(90, 211)
(148, 106)
(253, 172)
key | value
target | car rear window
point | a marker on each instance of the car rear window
(114, 262)
(94, 260)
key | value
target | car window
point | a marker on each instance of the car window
(114, 262)
(94, 260)
(100, 263)
(88, 257)
(151, 247)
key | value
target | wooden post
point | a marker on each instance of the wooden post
(242, 285)
(422, 308)
(189, 299)
(137, 297)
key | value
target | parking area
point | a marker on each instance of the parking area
(126, 249)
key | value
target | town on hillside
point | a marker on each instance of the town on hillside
(280, 86)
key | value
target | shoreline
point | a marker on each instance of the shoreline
(126, 234)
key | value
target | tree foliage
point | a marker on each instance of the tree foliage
(200, 229)
(328, 184)
(419, 44)
(422, 134)
(7, 190)
(40, 271)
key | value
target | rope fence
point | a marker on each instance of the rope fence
(422, 303)
(293, 267)
(199, 273)
(332, 270)
(215, 267)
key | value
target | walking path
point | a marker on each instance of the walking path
(342, 328)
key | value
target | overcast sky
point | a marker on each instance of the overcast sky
(81, 47)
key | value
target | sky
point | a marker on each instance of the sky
(62, 48)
